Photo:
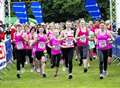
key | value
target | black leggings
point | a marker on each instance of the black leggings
(56, 60)
(68, 56)
(29, 54)
(20, 58)
(103, 57)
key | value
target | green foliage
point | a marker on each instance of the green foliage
(62, 10)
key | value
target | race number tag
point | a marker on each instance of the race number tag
(41, 45)
(57, 47)
(69, 42)
(102, 44)
(20, 45)
(83, 38)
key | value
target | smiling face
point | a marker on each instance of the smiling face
(102, 26)
(19, 28)
(41, 30)
(82, 22)
(68, 25)
(27, 28)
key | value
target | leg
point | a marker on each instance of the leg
(70, 57)
(58, 57)
(105, 60)
(85, 59)
(100, 54)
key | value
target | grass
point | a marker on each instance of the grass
(80, 79)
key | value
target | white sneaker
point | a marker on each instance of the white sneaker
(88, 65)
(26, 62)
(101, 76)
(38, 70)
(22, 70)
(105, 73)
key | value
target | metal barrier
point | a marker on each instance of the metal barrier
(116, 50)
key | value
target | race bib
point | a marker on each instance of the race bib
(69, 42)
(41, 45)
(57, 47)
(83, 38)
(91, 45)
(20, 45)
(102, 44)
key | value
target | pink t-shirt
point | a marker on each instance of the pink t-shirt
(19, 42)
(56, 44)
(41, 44)
(83, 40)
(68, 42)
(28, 39)
(102, 43)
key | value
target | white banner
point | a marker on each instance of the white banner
(2, 55)
(2, 15)
(118, 13)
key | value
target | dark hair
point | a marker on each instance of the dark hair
(33, 28)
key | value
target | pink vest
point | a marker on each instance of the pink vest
(102, 41)
(68, 42)
(83, 40)
(27, 45)
(41, 44)
(57, 46)
(19, 42)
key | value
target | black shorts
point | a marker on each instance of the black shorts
(20, 55)
(39, 54)
(56, 60)
(110, 52)
(49, 51)
(29, 54)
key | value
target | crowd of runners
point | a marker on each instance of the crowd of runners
(61, 42)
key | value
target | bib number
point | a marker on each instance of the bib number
(20, 45)
(83, 38)
(41, 45)
(57, 47)
(102, 44)
(69, 42)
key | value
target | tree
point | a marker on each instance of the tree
(62, 10)
(104, 7)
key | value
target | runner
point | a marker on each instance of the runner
(20, 51)
(82, 43)
(68, 48)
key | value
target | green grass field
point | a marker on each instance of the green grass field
(80, 79)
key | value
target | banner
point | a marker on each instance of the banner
(2, 56)
(2, 14)
(9, 50)
(36, 8)
(93, 9)
(19, 9)
(118, 14)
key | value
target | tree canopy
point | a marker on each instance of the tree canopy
(62, 10)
